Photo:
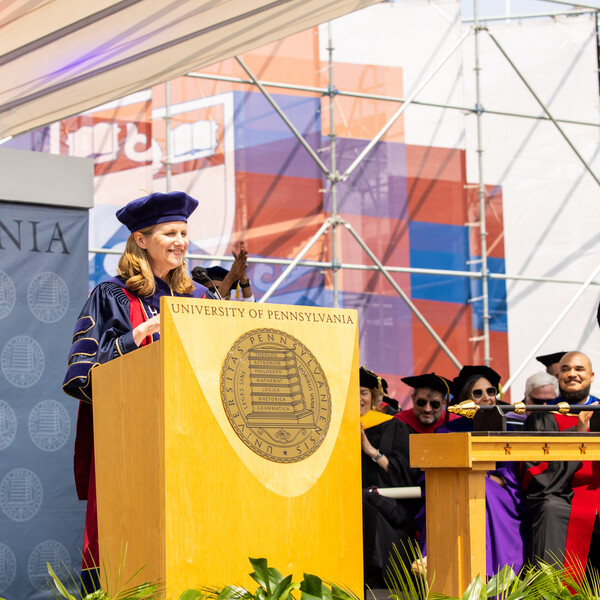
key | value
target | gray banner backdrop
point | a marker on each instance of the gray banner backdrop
(43, 285)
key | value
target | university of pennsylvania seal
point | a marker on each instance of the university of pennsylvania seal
(275, 395)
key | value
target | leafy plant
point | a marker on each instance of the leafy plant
(272, 585)
(543, 581)
(143, 591)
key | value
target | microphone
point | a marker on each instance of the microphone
(200, 275)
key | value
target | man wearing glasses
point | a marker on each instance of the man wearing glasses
(430, 398)
(540, 388)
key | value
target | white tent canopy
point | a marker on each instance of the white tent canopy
(62, 57)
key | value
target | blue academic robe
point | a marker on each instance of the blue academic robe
(590, 400)
(104, 331)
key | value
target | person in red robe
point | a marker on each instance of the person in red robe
(563, 498)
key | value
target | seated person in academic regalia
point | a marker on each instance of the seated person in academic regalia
(389, 406)
(385, 463)
(477, 383)
(505, 528)
(551, 362)
(430, 398)
(563, 498)
(540, 388)
(384, 403)
(231, 285)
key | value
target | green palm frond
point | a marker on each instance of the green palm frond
(585, 586)
(59, 585)
(401, 581)
(192, 595)
(125, 591)
(476, 590)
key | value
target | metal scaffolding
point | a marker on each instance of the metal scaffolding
(475, 26)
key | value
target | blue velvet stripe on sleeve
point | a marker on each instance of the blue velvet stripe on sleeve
(84, 346)
(84, 324)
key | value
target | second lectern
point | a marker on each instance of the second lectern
(234, 436)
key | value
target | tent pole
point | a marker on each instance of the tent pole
(485, 309)
(334, 179)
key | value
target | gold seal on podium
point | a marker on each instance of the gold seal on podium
(275, 395)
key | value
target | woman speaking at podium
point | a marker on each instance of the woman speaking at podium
(121, 315)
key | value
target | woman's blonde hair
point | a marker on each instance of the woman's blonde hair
(134, 267)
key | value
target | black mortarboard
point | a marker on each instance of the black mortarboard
(156, 208)
(392, 402)
(371, 380)
(550, 359)
(469, 371)
(384, 385)
(217, 273)
(429, 380)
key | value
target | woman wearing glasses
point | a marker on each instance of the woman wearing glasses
(477, 383)
(505, 508)
(385, 463)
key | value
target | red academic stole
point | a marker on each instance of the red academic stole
(85, 472)
(408, 416)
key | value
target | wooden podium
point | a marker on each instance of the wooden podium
(235, 436)
(455, 465)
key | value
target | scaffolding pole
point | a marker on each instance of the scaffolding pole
(282, 114)
(543, 107)
(440, 342)
(564, 13)
(321, 91)
(485, 311)
(168, 145)
(404, 106)
(334, 177)
(334, 221)
(552, 327)
(296, 260)
(316, 264)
